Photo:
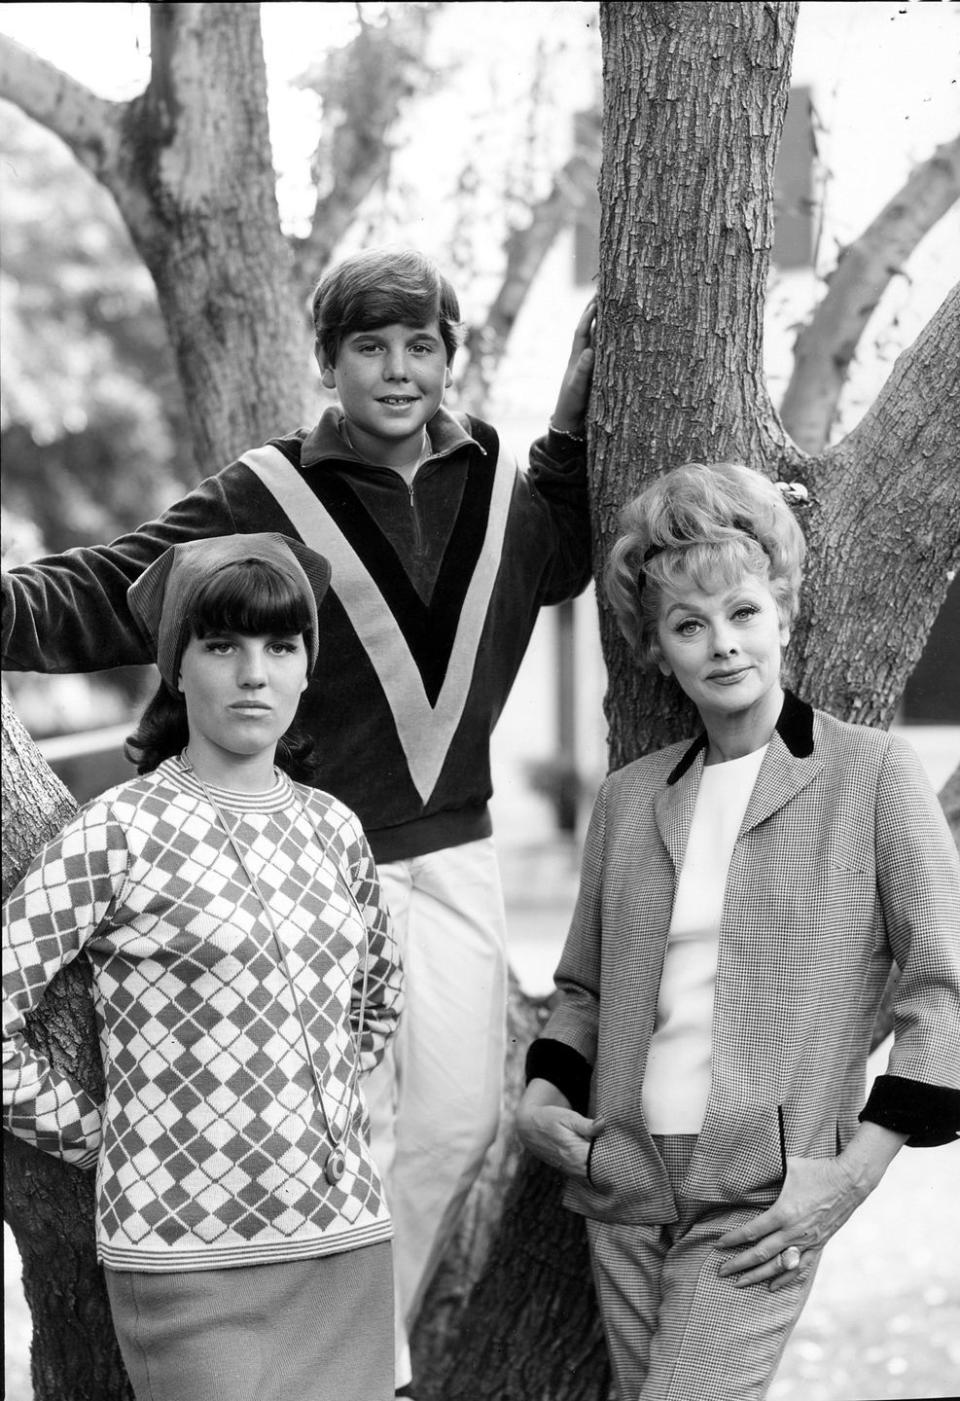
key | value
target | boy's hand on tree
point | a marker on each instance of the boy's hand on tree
(575, 386)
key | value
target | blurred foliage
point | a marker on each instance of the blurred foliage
(92, 428)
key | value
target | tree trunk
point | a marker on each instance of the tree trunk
(189, 165)
(47, 1204)
(684, 260)
(199, 153)
(685, 240)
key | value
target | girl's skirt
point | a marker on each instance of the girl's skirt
(313, 1330)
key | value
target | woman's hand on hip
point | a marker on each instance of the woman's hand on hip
(819, 1195)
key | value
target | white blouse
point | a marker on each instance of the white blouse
(677, 1080)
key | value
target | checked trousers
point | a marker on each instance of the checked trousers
(675, 1330)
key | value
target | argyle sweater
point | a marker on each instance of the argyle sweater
(210, 1144)
(434, 595)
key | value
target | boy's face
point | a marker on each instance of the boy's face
(390, 382)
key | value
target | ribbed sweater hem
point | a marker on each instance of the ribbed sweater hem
(180, 1259)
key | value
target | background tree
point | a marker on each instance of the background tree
(681, 298)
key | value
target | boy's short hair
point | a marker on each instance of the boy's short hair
(379, 287)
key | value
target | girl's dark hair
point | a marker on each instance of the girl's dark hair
(249, 597)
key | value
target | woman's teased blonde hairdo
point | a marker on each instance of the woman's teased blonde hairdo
(701, 525)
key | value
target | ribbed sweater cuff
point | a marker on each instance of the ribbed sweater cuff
(929, 1114)
(562, 1066)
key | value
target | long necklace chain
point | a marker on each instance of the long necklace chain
(335, 1162)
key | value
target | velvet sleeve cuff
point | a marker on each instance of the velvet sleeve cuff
(562, 1066)
(929, 1114)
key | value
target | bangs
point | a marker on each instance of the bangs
(387, 306)
(709, 566)
(250, 598)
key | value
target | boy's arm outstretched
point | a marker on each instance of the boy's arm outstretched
(69, 612)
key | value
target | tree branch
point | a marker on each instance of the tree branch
(885, 512)
(363, 87)
(904, 427)
(825, 347)
(526, 249)
(89, 125)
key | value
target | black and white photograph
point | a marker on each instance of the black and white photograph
(480, 700)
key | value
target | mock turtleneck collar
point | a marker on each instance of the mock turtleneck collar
(326, 441)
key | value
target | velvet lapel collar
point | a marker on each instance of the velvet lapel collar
(788, 766)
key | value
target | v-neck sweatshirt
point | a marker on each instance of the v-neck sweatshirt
(435, 591)
(676, 1084)
(211, 1139)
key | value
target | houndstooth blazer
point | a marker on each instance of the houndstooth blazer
(843, 863)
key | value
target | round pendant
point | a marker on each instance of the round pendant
(335, 1166)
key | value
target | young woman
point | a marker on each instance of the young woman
(701, 1081)
(245, 979)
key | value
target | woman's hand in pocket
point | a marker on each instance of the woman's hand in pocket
(554, 1132)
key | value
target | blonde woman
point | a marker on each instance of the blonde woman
(701, 1081)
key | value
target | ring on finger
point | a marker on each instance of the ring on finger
(789, 1259)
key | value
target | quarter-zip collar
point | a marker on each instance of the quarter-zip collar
(325, 441)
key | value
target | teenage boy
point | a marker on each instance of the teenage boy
(442, 553)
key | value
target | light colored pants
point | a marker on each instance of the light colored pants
(435, 1098)
(675, 1330)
